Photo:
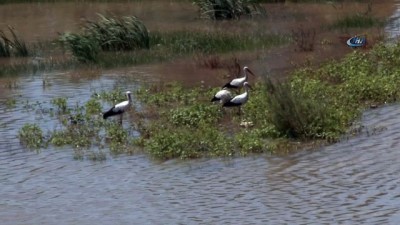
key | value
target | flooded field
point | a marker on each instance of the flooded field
(351, 182)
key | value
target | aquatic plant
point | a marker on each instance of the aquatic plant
(85, 48)
(11, 103)
(5, 46)
(92, 106)
(61, 104)
(228, 9)
(14, 46)
(113, 34)
(107, 34)
(31, 136)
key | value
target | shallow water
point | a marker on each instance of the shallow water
(352, 182)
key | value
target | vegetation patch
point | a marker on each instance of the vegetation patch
(357, 21)
(228, 9)
(107, 34)
(315, 105)
(14, 46)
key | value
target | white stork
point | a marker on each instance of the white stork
(222, 96)
(119, 108)
(239, 100)
(238, 82)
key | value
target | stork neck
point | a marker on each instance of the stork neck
(129, 97)
(246, 89)
(245, 75)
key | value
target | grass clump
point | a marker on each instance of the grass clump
(14, 46)
(107, 34)
(228, 9)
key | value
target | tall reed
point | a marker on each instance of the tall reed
(228, 9)
(14, 46)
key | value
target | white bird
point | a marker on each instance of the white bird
(238, 82)
(222, 96)
(119, 108)
(239, 100)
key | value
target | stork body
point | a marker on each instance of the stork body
(222, 96)
(239, 100)
(119, 108)
(238, 82)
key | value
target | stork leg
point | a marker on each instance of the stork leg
(120, 119)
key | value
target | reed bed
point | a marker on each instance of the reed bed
(228, 9)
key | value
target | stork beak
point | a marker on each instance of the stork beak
(251, 72)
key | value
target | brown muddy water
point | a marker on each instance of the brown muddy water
(351, 182)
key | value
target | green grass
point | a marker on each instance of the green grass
(173, 45)
(357, 21)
